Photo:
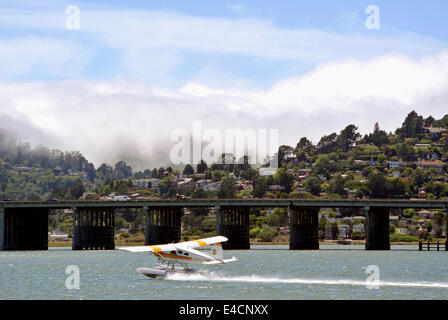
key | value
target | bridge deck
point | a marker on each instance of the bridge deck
(335, 203)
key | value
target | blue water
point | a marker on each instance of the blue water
(265, 272)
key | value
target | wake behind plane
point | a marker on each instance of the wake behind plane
(174, 258)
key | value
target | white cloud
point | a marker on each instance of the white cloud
(122, 118)
(160, 41)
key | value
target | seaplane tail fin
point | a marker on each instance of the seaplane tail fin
(216, 251)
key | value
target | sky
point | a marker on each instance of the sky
(114, 79)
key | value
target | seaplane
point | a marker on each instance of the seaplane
(174, 258)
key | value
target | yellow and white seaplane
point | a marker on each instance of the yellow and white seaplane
(206, 251)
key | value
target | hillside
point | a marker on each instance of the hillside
(408, 163)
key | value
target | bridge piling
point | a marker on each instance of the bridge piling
(24, 229)
(233, 223)
(446, 228)
(377, 236)
(93, 229)
(304, 228)
(163, 225)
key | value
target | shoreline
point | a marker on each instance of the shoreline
(252, 243)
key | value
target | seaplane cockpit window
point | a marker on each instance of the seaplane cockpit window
(186, 254)
(179, 252)
(173, 252)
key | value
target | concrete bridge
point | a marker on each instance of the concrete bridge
(24, 225)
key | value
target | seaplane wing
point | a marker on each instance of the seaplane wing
(174, 246)
(220, 261)
(201, 242)
(155, 249)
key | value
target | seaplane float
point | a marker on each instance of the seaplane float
(174, 258)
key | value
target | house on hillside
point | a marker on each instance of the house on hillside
(358, 228)
(438, 165)
(276, 188)
(422, 145)
(344, 230)
(141, 183)
(27, 169)
(396, 174)
(244, 186)
(155, 184)
(394, 220)
(395, 164)
(185, 184)
(267, 171)
(425, 214)
(436, 133)
(208, 185)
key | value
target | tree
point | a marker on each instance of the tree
(91, 172)
(436, 188)
(165, 186)
(122, 170)
(348, 137)
(396, 188)
(284, 179)
(312, 184)
(336, 185)
(304, 145)
(323, 166)
(249, 174)
(201, 167)
(406, 151)
(267, 235)
(377, 185)
(188, 169)
(243, 163)
(438, 221)
(260, 187)
(429, 121)
(301, 156)
(378, 137)
(199, 193)
(254, 232)
(412, 125)
(227, 189)
(279, 217)
(327, 143)
(418, 177)
(442, 122)
(76, 190)
(104, 171)
(283, 151)
(408, 213)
